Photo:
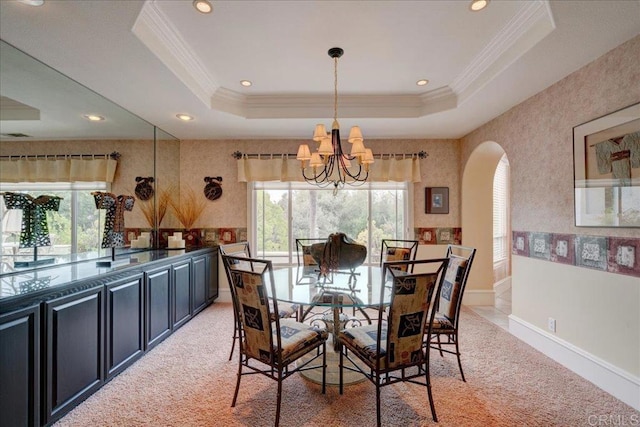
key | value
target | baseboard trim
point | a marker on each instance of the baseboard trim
(613, 380)
(502, 286)
(224, 295)
(474, 297)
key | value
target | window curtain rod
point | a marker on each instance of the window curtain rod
(115, 156)
(421, 155)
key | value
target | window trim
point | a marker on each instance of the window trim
(252, 186)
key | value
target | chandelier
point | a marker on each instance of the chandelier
(330, 165)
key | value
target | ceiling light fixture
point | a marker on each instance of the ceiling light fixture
(93, 117)
(422, 82)
(184, 117)
(329, 164)
(203, 6)
(245, 83)
(478, 5)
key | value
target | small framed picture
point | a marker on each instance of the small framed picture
(436, 200)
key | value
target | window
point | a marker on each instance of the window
(284, 211)
(501, 210)
(76, 227)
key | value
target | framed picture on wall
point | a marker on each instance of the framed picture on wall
(606, 161)
(436, 200)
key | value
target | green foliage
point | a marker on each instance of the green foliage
(317, 213)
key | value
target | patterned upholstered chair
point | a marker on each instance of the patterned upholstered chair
(447, 316)
(394, 343)
(242, 249)
(269, 344)
(398, 250)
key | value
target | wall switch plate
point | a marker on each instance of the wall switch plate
(551, 324)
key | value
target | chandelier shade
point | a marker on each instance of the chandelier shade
(329, 164)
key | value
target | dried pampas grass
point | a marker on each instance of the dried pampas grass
(189, 208)
(148, 209)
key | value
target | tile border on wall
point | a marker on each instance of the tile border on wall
(438, 235)
(616, 255)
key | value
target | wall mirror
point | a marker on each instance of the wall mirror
(50, 147)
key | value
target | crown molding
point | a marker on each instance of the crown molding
(351, 106)
(533, 23)
(524, 31)
(159, 35)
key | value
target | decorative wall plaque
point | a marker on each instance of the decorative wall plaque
(213, 189)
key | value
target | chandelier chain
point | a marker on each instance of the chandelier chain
(335, 89)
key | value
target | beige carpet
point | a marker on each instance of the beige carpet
(187, 381)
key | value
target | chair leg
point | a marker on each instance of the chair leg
(235, 395)
(378, 402)
(340, 349)
(279, 398)
(439, 345)
(324, 368)
(429, 394)
(235, 337)
(458, 354)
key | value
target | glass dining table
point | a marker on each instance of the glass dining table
(354, 290)
(326, 300)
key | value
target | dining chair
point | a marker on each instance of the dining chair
(393, 344)
(447, 309)
(398, 250)
(243, 250)
(270, 344)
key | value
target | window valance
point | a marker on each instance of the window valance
(91, 168)
(286, 169)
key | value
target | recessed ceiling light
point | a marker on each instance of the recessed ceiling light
(477, 5)
(245, 83)
(202, 6)
(185, 117)
(422, 82)
(32, 2)
(93, 117)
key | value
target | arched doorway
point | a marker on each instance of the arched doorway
(477, 221)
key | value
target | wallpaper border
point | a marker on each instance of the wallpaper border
(618, 255)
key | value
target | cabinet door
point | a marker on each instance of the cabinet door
(20, 367)
(158, 305)
(200, 283)
(182, 293)
(212, 263)
(74, 349)
(124, 323)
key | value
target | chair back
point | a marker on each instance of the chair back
(240, 250)
(235, 249)
(398, 250)
(249, 279)
(305, 253)
(409, 316)
(455, 281)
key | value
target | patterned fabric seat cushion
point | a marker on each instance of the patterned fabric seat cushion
(296, 337)
(442, 323)
(363, 340)
(284, 310)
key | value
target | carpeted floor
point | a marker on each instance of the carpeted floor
(188, 381)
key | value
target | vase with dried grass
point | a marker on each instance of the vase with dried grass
(187, 210)
(150, 213)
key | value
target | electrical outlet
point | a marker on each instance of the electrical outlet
(551, 324)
